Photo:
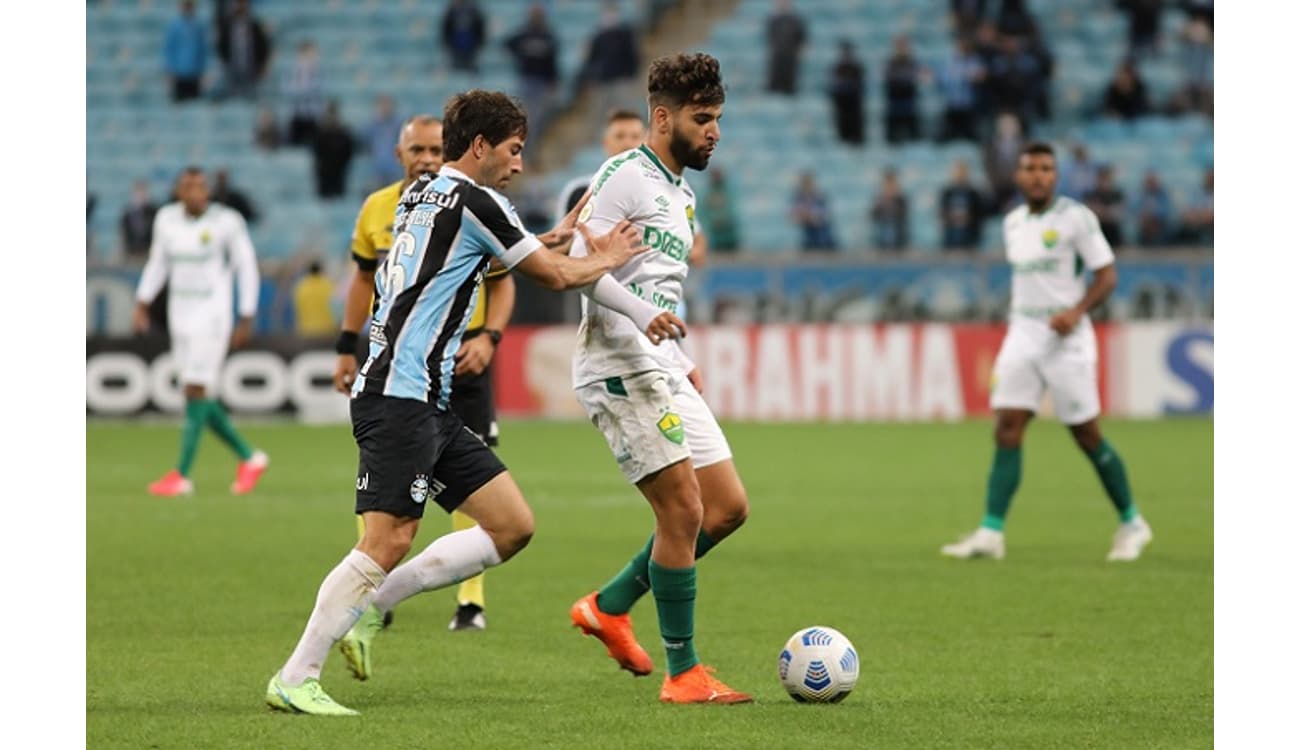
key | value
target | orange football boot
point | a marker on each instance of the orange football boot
(698, 685)
(615, 631)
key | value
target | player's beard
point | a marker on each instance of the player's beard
(683, 154)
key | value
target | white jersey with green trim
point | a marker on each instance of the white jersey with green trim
(198, 258)
(1048, 253)
(636, 186)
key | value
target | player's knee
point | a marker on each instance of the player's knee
(1008, 434)
(512, 533)
(388, 550)
(684, 509)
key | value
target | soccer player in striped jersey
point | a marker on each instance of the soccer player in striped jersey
(419, 150)
(644, 398)
(199, 248)
(1050, 347)
(413, 448)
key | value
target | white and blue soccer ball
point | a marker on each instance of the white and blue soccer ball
(818, 665)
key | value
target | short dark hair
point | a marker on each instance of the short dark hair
(619, 115)
(681, 79)
(1038, 147)
(491, 114)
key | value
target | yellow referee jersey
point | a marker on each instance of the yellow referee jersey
(373, 236)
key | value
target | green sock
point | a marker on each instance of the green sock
(1004, 478)
(675, 599)
(633, 581)
(1110, 468)
(196, 414)
(220, 423)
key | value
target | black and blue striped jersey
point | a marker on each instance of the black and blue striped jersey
(446, 230)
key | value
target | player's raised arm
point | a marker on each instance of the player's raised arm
(152, 278)
(244, 259)
(658, 325)
(560, 272)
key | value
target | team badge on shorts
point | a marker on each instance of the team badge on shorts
(1050, 236)
(671, 426)
(419, 489)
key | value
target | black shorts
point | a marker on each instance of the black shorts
(411, 453)
(471, 399)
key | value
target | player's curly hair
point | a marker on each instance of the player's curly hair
(492, 114)
(677, 80)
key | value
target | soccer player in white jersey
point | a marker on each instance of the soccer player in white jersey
(198, 248)
(644, 397)
(1050, 347)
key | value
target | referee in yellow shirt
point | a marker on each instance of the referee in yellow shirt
(419, 149)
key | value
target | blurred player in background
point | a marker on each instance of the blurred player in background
(199, 248)
(414, 451)
(645, 398)
(1050, 346)
(419, 149)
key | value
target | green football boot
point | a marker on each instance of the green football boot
(355, 646)
(307, 698)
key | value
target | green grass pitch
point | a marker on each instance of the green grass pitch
(192, 604)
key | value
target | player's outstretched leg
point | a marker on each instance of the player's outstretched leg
(604, 613)
(503, 527)
(1133, 533)
(1004, 478)
(470, 602)
(344, 594)
(674, 494)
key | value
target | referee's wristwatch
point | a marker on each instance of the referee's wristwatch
(493, 334)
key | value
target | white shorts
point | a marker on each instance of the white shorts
(1034, 358)
(199, 358)
(652, 420)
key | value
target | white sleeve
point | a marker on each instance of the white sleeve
(608, 292)
(154, 275)
(1091, 244)
(245, 262)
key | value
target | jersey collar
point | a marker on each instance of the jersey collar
(455, 174)
(1046, 209)
(676, 181)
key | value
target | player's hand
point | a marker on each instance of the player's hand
(622, 243)
(1064, 322)
(560, 239)
(665, 326)
(696, 379)
(474, 355)
(243, 332)
(345, 372)
(140, 319)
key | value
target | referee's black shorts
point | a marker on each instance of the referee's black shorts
(411, 452)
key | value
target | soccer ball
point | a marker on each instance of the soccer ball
(818, 665)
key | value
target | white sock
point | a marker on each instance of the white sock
(344, 595)
(449, 559)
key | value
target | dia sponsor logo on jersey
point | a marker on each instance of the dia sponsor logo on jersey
(665, 242)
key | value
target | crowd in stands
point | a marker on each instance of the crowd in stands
(996, 87)
(245, 46)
